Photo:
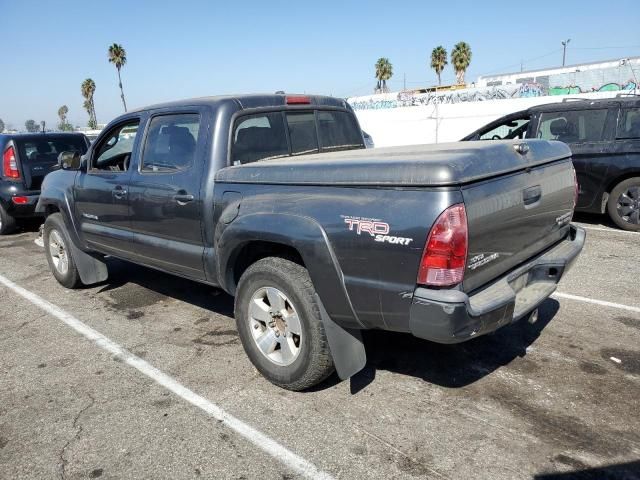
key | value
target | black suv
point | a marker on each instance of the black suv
(604, 137)
(26, 159)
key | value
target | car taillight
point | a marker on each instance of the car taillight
(20, 200)
(9, 164)
(445, 253)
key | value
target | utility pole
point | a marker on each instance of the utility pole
(564, 50)
(405, 82)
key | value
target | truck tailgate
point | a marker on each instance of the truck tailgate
(514, 217)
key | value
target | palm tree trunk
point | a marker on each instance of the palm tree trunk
(439, 81)
(121, 91)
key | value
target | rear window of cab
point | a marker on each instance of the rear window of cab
(270, 135)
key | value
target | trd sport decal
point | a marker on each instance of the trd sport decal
(374, 227)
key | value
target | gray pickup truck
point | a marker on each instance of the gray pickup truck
(275, 200)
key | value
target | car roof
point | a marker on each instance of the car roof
(580, 103)
(39, 135)
(249, 101)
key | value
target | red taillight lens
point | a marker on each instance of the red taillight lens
(9, 164)
(20, 200)
(298, 100)
(445, 253)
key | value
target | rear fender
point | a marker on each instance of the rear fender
(309, 239)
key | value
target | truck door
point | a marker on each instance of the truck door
(102, 191)
(165, 195)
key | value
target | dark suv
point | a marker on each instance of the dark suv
(604, 137)
(26, 159)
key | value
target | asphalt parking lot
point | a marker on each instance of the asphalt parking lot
(553, 400)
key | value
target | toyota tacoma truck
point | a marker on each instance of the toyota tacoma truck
(275, 200)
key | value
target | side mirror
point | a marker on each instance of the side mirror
(69, 160)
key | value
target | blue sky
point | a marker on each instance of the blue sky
(197, 48)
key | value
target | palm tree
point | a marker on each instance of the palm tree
(88, 88)
(62, 113)
(439, 60)
(384, 71)
(118, 56)
(460, 59)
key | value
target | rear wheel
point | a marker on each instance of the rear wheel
(7, 222)
(279, 324)
(624, 204)
(58, 253)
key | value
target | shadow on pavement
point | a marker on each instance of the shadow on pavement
(451, 366)
(619, 471)
(163, 284)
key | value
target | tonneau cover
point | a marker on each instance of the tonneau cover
(416, 165)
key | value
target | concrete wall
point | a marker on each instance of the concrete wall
(416, 125)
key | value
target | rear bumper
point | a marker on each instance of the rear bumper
(452, 316)
(20, 210)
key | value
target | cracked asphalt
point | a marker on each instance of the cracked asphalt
(555, 400)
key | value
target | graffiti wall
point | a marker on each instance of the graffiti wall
(523, 90)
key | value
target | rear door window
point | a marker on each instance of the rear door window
(259, 137)
(629, 124)
(574, 126)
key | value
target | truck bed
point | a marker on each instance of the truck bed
(448, 164)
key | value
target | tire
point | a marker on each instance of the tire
(7, 222)
(624, 204)
(294, 354)
(56, 247)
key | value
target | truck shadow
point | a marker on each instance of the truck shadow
(450, 366)
(618, 471)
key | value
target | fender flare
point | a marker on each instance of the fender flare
(308, 238)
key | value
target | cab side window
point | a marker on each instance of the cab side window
(113, 154)
(629, 125)
(573, 126)
(171, 143)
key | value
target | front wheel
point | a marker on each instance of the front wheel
(624, 204)
(279, 324)
(58, 253)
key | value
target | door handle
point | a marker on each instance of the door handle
(183, 199)
(118, 192)
(532, 195)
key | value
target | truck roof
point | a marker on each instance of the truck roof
(255, 100)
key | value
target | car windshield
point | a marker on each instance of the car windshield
(46, 148)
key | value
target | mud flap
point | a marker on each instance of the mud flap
(91, 269)
(347, 349)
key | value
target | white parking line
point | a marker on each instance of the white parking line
(259, 439)
(605, 229)
(604, 303)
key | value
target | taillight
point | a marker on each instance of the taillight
(576, 188)
(298, 100)
(20, 200)
(445, 253)
(9, 163)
